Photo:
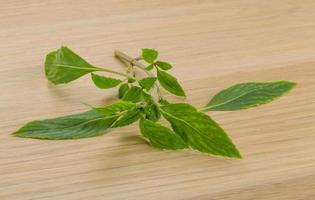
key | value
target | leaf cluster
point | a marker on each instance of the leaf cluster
(187, 127)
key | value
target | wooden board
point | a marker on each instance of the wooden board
(212, 44)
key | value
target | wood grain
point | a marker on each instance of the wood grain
(212, 44)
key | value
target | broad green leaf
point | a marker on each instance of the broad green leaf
(122, 90)
(147, 83)
(149, 67)
(127, 118)
(149, 55)
(170, 83)
(82, 125)
(199, 131)
(63, 66)
(116, 107)
(159, 136)
(134, 94)
(163, 65)
(246, 95)
(104, 82)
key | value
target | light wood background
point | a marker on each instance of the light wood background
(212, 44)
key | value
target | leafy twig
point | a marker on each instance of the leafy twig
(190, 128)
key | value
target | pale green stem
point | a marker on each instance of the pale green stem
(115, 72)
(130, 69)
(203, 109)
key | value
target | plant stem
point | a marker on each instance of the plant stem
(134, 62)
(130, 69)
(115, 72)
(204, 109)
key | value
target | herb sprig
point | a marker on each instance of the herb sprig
(141, 99)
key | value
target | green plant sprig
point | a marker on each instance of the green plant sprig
(141, 99)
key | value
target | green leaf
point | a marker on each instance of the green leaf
(163, 65)
(104, 82)
(134, 94)
(159, 136)
(82, 125)
(127, 118)
(63, 66)
(170, 83)
(147, 83)
(199, 131)
(116, 107)
(246, 95)
(149, 67)
(149, 55)
(126, 111)
(123, 90)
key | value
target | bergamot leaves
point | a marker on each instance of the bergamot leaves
(199, 131)
(147, 83)
(63, 66)
(82, 125)
(246, 95)
(160, 136)
(149, 55)
(163, 65)
(189, 128)
(103, 82)
(170, 83)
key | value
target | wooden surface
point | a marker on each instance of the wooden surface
(212, 44)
